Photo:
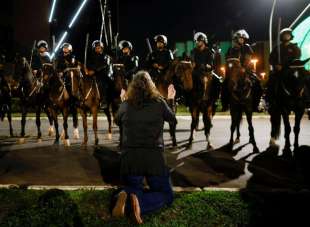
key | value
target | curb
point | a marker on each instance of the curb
(107, 187)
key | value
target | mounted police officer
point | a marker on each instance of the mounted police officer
(41, 57)
(243, 51)
(126, 57)
(288, 53)
(202, 58)
(160, 59)
(65, 59)
(100, 66)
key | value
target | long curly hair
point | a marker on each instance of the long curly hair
(142, 89)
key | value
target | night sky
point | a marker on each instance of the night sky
(139, 19)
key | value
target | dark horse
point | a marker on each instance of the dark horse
(115, 87)
(162, 84)
(239, 85)
(202, 94)
(6, 96)
(288, 95)
(32, 93)
(62, 95)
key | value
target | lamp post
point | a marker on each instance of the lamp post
(270, 24)
(254, 62)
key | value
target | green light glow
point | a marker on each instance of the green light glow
(302, 37)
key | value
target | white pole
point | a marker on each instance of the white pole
(300, 15)
(270, 24)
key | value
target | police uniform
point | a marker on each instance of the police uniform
(101, 64)
(288, 53)
(40, 58)
(130, 62)
(161, 57)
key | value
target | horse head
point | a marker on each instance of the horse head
(239, 82)
(293, 80)
(72, 78)
(183, 72)
(119, 74)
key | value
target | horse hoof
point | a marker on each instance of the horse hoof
(39, 140)
(62, 135)
(110, 136)
(21, 141)
(50, 131)
(67, 142)
(76, 135)
(210, 147)
(273, 142)
(236, 141)
(96, 142)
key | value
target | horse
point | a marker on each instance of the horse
(288, 96)
(32, 93)
(162, 83)
(239, 87)
(6, 99)
(89, 99)
(202, 93)
(115, 87)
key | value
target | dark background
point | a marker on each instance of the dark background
(23, 21)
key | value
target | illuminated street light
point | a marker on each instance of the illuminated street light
(52, 11)
(223, 70)
(270, 24)
(59, 43)
(77, 13)
(263, 75)
(254, 62)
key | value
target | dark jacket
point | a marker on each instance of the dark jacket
(101, 64)
(244, 53)
(288, 54)
(142, 137)
(39, 60)
(131, 64)
(63, 62)
(162, 58)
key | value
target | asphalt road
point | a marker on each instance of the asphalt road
(43, 163)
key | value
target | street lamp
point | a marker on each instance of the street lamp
(270, 24)
(254, 62)
(263, 75)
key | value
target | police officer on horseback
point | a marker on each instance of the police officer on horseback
(289, 52)
(202, 58)
(160, 59)
(65, 59)
(243, 51)
(126, 57)
(41, 57)
(100, 66)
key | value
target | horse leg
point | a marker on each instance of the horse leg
(38, 123)
(207, 121)
(84, 117)
(65, 126)
(95, 125)
(75, 124)
(55, 119)
(23, 124)
(50, 120)
(10, 121)
(298, 117)
(234, 124)
(287, 128)
(195, 119)
(275, 120)
(252, 140)
(108, 114)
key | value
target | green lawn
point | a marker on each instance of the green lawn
(20, 207)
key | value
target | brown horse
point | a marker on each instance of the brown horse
(62, 92)
(202, 93)
(89, 100)
(162, 84)
(239, 85)
(113, 97)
